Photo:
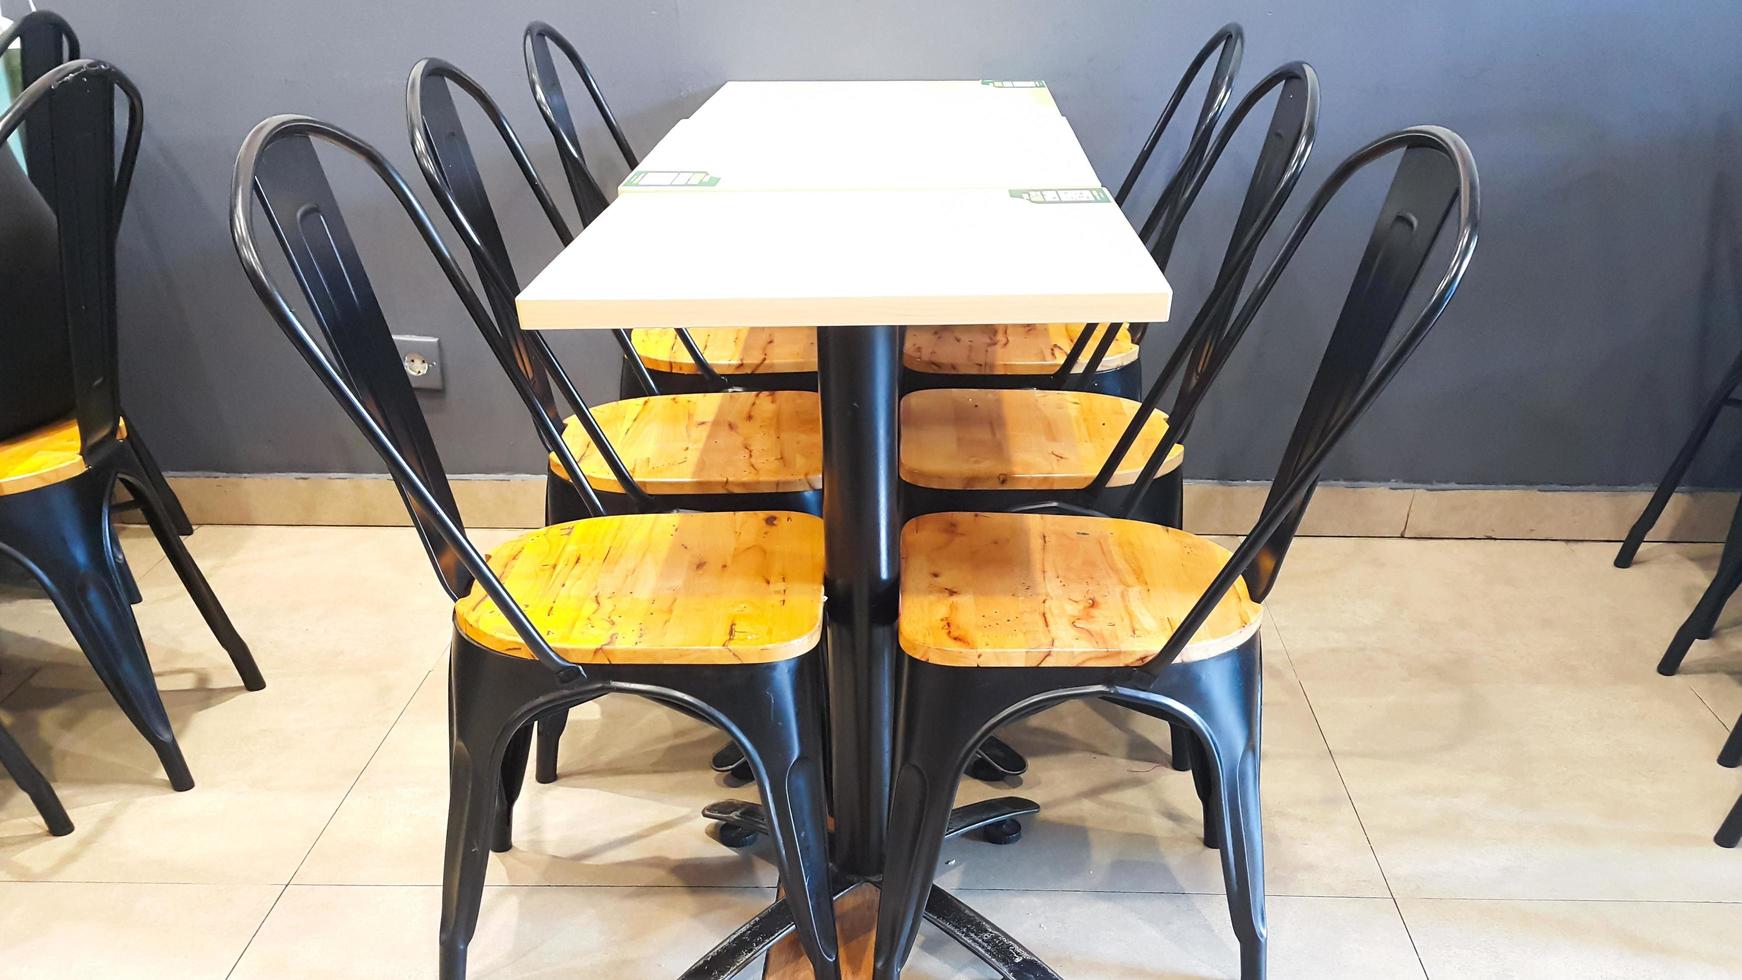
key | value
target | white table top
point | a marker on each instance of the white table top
(912, 99)
(844, 152)
(880, 218)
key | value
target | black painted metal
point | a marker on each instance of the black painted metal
(859, 372)
(1702, 621)
(31, 780)
(771, 710)
(995, 947)
(752, 939)
(590, 200)
(1730, 832)
(947, 711)
(62, 532)
(46, 40)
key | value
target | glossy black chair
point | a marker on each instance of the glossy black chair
(45, 40)
(55, 502)
(1703, 619)
(738, 450)
(749, 358)
(981, 593)
(34, 784)
(1103, 358)
(575, 618)
(1730, 832)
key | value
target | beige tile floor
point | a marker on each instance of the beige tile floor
(1471, 771)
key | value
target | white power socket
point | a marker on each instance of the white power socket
(422, 360)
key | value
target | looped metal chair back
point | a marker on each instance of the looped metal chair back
(44, 40)
(1161, 227)
(444, 154)
(278, 167)
(1435, 179)
(87, 188)
(553, 105)
(1288, 142)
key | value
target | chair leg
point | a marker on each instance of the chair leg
(550, 735)
(1730, 831)
(1731, 755)
(513, 778)
(1678, 467)
(35, 785)
(1711, 604)
(172, 509)
(62, 534)
(785, 749)
(1181, 754)
(162, 527)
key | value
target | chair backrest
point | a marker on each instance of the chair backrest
(1288, 141)
(45, 40)
(444, 154)
(1161, 227)
(89, 182)
(278, 167)
(553, 106)
(1435, 178)
(590, 200)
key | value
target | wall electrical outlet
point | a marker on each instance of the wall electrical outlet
(422, 359)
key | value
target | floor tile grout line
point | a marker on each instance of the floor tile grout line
(1721, 719)
(385, 734)
(1397, 906)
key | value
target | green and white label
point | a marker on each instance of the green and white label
(1063, 195)
(671, 178)
(1013, 82)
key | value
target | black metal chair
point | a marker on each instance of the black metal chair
(981, 593)
(1703, 620)
(665, 606)
(737, 450)
(749, 358)
(55, 498)
(1730, 832)
(1101, 358)
(45, 40)
(1005, 449)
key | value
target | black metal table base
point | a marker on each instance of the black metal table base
(976, 934)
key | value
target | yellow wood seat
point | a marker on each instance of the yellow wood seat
(743, 587)
(715, 442)
(44, 456)
(1009, 348)
(731, 350)
(1034, 590)
(1021, 439)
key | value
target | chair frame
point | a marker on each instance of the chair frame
(62, 532)
(45, 40)
(772, 710)
(946, 711)
(1159, 230)
(1730, 831)
(590, 200)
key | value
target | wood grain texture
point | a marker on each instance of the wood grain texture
(714, 442)
(1022, 439)
(847, 258)
(1034, 590)
(729, 588)
(1009, 348)
(855, 938)
(731, 350)
(44, 456)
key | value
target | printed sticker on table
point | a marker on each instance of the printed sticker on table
(671, 178)
(1013, 83)
(1063, 195)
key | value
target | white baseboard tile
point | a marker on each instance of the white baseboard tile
(1581, 514)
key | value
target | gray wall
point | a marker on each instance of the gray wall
(1602, 302)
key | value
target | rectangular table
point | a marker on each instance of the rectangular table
(858, 257)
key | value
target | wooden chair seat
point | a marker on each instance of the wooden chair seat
(715, 442)
(731, 350)
(1008, 348)
(44, 456)
(1021, 439)
(741, 587)
(1037, 590)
